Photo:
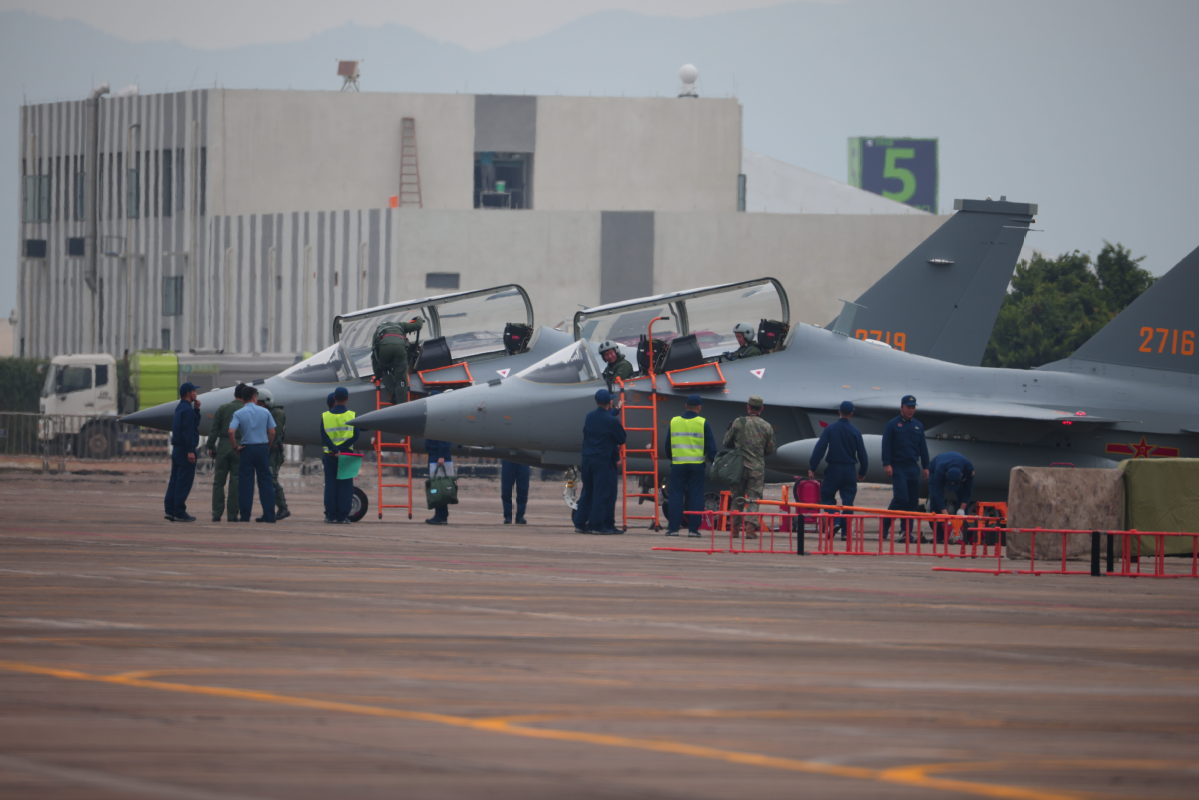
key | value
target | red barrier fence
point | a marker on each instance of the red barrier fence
(873, 532)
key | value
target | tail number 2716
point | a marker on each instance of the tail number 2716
(1175, 341)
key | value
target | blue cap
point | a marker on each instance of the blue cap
(908, 400)
(341, 393)
(602, 397)
(846, 407)
(186, 387)
(331, 399)
(694, 400)
(953, 475)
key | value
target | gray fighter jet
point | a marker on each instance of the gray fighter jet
(1129, 391)
(468, 336)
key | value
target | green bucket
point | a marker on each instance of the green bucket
(348, 465)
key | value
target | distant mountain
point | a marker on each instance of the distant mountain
(1083, 106)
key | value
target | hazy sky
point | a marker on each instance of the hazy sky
(473, 24)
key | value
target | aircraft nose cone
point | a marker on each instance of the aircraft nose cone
(406, 419)
(160, 416)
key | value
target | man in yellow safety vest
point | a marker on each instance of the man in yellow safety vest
(690, 445)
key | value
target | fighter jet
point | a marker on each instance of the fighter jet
(468, 336)
(1129, 391)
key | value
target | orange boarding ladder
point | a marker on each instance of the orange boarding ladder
(641, 418)
(392, 454)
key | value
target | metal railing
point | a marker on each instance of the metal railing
(55, 438)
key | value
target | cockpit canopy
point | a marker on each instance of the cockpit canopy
(472, 324)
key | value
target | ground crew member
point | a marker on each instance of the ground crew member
(514, 476)
(753, 439)
(905, 454)
(845, 448)
(950, 485)
(618, 365)
(185, 440)
(257, 428)
(441, 454)
(747, 347)
(276, 455)
(690, 445)
(389, 356)
(225, 459)
(602, 437)
(338, 436)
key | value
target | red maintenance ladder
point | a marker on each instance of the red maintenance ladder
(397, 455)
(640, 421)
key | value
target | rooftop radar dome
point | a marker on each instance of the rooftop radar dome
(688, 74)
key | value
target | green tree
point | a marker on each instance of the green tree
(20, 383)
(1055, 305)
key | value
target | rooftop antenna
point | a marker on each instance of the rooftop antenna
(688, 74)
(348, 71)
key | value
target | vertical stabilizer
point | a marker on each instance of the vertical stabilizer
(942, 299)
(1156, 331)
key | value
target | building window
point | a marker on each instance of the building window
(166, 338)
(441, 280)
(168, 197)
(503, 180)
(172, 296)
(132, 193)
(35, 248)
(37, 198)
(75, 246)
(80, 194)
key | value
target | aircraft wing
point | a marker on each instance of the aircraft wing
(960, 406)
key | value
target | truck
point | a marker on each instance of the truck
(84, 395)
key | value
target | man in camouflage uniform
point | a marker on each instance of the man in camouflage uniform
(389, 356)
(753, 438)
(225, 460)
(276, 451)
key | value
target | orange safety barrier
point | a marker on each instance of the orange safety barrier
(1104, 547)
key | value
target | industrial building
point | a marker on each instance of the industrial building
(244, 220)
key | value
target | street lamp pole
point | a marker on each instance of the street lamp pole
(92, 202)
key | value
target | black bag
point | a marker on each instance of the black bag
(726, 469)
(440, 489)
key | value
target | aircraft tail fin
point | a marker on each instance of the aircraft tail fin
(1159, 330)
(942, 299)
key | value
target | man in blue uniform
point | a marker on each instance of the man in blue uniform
(950, 485)
(514, 476)
(257, 428)
(843, 443)
(602, 437)
(690, 445)
(185, 439)
(338, 436)
(905, 454)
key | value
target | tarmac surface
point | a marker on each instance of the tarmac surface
(143, 658)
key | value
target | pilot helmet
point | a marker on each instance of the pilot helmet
(264, 396)
(745, 329)
(606, 345)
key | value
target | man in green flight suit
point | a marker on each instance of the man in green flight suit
(225, 458)
(389, 356)
(747, 345)
(618, 365)
(276, 451)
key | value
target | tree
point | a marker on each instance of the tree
(1056, 305)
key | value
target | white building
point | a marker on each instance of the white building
(245, 220)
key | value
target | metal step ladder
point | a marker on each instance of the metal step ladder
(392, 455)
(640, 422)
(410, 194)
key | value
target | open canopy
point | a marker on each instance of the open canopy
(709, 312)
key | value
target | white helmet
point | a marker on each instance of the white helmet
(264, 396)
(745, 329)
(606, 345)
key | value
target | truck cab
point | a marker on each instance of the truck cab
(84, 384)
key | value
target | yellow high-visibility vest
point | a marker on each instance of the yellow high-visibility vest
(337, 427)
(687, 440)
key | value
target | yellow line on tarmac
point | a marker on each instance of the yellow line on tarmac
(911, 776)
